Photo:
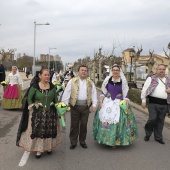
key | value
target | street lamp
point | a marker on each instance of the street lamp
(49, 57)
(35, 24)
(132, 55)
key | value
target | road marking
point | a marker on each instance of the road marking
(24, 158)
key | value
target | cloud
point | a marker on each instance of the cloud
(78, 27)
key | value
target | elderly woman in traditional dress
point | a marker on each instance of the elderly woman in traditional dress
(56, 78)
(12, 98)
(115, 124)
(39, 130)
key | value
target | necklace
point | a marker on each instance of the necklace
(46, 98)
(115, 80)
(44, 84)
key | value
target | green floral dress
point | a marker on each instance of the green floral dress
(121, 133)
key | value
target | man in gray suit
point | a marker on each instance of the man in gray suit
(157, 89)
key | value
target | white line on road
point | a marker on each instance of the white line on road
(24, 158)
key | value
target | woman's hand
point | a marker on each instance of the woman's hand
(101, 102)
(100, 105)
(127, 102)
(93, 108)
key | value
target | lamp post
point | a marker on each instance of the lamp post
(132, 52)
(35, 24)
(49, 57)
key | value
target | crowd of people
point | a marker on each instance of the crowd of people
(114, 122)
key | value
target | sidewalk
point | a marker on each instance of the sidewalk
(145, 111)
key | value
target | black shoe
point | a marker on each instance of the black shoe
(73, 147)
(83, 146)
(146, 138)
(49, 152)
(38, 156)
(160, 141)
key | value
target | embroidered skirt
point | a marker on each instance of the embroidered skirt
(12, 98)
(121, 133)
(40, 135)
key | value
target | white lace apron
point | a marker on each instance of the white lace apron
(110, 111)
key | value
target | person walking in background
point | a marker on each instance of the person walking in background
(115, 125)
(12, 98)
(39, 129)
(98, 76)
(56, 78)
(65, 82)
(105, 75)
(70, 72)
(2, 74)
(150, 74)
(51, 74)
(157, 89)
(35, 79)
(61, 73)
(27, 72)
(81, 93)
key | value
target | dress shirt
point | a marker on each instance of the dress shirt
(159, 91)
(82, 95)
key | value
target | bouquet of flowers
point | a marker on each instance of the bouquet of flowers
(124, 106)
(62, 108)
(3, 83)
(58, 86)
(54, 83)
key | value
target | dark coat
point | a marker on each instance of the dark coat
(2, 73)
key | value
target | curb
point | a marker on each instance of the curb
(145, 111)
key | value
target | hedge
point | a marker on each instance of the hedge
(135, 95)
(99, 84)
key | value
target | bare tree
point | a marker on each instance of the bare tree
(7, 57)
(168, 58)
(135, 60)
(150, 61)
(138, 53)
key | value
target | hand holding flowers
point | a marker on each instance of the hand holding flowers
(3, 83)
(62, 108)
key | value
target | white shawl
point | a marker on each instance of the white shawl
(125, 87)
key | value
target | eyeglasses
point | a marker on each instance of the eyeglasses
(116, 70)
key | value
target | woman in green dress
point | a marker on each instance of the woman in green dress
(42, 132)
(114, 124)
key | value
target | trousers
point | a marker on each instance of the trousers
(79, 120)
(155, 121)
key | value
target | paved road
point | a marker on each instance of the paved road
(139, 156)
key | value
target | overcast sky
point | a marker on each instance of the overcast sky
(78, 27)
